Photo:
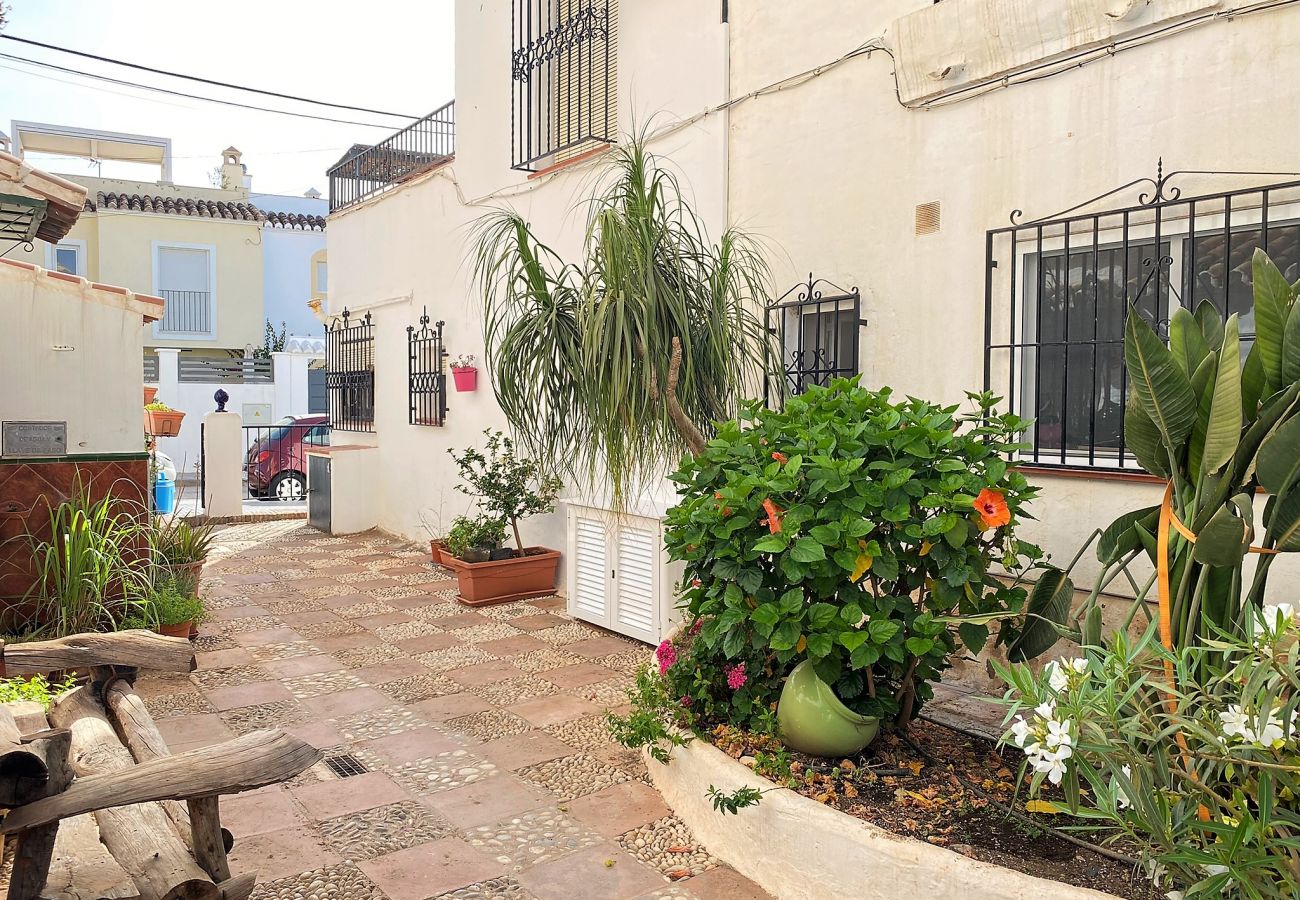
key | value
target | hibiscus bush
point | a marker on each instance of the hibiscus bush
(1204, 777)
(869, 535)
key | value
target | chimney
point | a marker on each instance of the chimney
(312, 194)
(234, 174)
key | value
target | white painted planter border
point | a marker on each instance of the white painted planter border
(798, 849)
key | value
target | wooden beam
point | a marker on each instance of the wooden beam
(28, 715)
(23, 772)
(244, 763)
(238, 888)
(83, 868)
(36, 845)
(139, 835)
(142, 649)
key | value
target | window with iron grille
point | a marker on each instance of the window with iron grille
(1057, 291)
(350, 373)
(426, 373)
(815, 328)
(564, 68)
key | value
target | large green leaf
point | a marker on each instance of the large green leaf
(1186, 341)
(1142, 439)
(1253, 383)
(1120, 537)
(1272, 304)
(1223, 431)
(1162, 388)
(1284, 523)
(1049, 604)
(1223, 541)
(1211, 324)
(1278, 462)
(1291, 346)
(1203, 389)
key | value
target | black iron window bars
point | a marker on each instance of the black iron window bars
(426, 388)
(350, 372)
(1057, 290)
(563, 69)
(815, 328)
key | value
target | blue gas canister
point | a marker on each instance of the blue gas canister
(164, 494)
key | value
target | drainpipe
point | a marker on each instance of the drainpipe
(726, 114)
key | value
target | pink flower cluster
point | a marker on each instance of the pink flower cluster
(666, 654)
(736, 676)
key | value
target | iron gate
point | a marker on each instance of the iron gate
(426, 370)
(275, 460)
(815, 326)
(350, 372)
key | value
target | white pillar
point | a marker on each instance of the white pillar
(223, 490)
(282, 394)
(169, 375)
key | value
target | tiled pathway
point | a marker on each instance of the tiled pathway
(466, 755)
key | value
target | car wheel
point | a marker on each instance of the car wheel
(288, 486)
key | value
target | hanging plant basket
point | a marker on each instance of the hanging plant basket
(466, 378)
(163, 423)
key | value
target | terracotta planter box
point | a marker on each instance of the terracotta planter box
(438, 550)
(161, 423)
(488, 583)
(149, 394)
(180, 630)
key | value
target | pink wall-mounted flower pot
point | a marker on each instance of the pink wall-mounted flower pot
(466, 379)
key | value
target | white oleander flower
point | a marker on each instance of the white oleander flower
(1052, 763)
(1277, 616)
(1046, 709)
(1122, 799)
(1235, 723)
(1020, 731)
(1058, 734)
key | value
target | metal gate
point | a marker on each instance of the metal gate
(320, 504)
(275, 460)
(317, 395)
(815, 327)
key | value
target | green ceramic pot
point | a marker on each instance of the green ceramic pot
(814, 721)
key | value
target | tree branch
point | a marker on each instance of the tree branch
(690, 434)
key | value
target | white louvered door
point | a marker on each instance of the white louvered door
(615, 578)
(636, 598)
(589, 597)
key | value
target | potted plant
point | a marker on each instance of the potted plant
(179, 547)
(171, 607)
(149, 394)
(464, 372)
(508, 487)
(161, 420)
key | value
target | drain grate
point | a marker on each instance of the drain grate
(345, 765)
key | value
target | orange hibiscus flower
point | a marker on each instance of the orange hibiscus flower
(773, 520)
(992, 508)
(780, 457)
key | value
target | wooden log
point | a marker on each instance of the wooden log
(141, 649)
(82, 868)
(139, 835)
(36, 845)
(238, 888)
(23, 772)
(244, 763)
(200, 828)
(28, 715)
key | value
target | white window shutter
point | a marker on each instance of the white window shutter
(591, 570)
(635, 598)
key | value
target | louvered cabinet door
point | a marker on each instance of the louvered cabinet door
(636, 581)
(592, 569)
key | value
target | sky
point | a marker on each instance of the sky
(392, 55)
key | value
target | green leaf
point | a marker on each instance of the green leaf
(771, 543)
(852, 640)
(1278, 462)
(1223, 540)
(1202, 388)
(919, 646)
(1186, 341)
(785, 636)
(1210, 323)
(1272, 305)
(973, 636)
(1049, 604)
(791, 601)
(1162, 389)
(1284, 523)
(1142, 439)
(820, 645)
(821, 614)
(1291, 347)
(1121, 538)
(1224, 428)
(807, 550)
(1253, 383)
(882, 630)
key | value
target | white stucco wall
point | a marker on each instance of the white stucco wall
(833, 169)
(286, 277)
(405, 252)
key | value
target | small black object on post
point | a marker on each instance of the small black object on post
(222, 398)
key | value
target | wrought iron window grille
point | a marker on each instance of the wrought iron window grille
(1058, 288)
(426, 373)
(815, 327)
(350, 372)
(563, 67)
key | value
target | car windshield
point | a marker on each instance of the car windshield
(291, 429)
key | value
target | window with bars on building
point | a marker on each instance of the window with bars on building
(426, 387)
(350, 372)
(815, 328)
(1058, 291)
(564, 71)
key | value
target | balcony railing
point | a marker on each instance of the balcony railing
(187, 312)
(366, 171)
(207, 370)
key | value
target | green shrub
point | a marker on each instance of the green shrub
(868, 535)
(480, 532)
(172, 601)
(509, 487)
(176, 542)
(36, 688)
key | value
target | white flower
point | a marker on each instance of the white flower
(1020, 730)
(1056, 676)
(1277, 616)
(1235, 723)
(1058, 734)
(1052, 764)
(1122, 799)
(1046, 709)
(1268, 733)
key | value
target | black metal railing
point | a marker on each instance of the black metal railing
(426, 387)
(419, 146)
(1057, 291)
(564, 67)
(350, 372)
(150, 367)
(186, 312)
(815, 329)
(275, 458)
(202, 369)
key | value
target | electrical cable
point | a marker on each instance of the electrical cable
(223, 84)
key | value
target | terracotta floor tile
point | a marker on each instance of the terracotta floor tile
(425, 643)
(537, 622)
(347, 641)
(311, 617)
(321, 735)
(254, 578)
(417, 743)
(220, 659)
(724, 883)
(513, 646)
(345, 703)
(517, 750)
(439, 709)
(201, 730)
(556, 708)
(579, 675)
(551, 602)
(266, 636)
(297, 666)
(277, 854)
(254, 694)
(597, 646)
(620, 808)
(488, 801)
(374, 623)
(429, 869)
(604, 871)
(257, 812)
(237, 612)
(390, 671)
(462, 620)
(339, 796)
(484, 673)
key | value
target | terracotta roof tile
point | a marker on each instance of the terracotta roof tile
(210, 209)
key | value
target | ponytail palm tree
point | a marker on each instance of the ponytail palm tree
(611, 367)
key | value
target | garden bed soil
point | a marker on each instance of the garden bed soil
(939, 791)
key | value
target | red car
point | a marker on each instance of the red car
(276, 464)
